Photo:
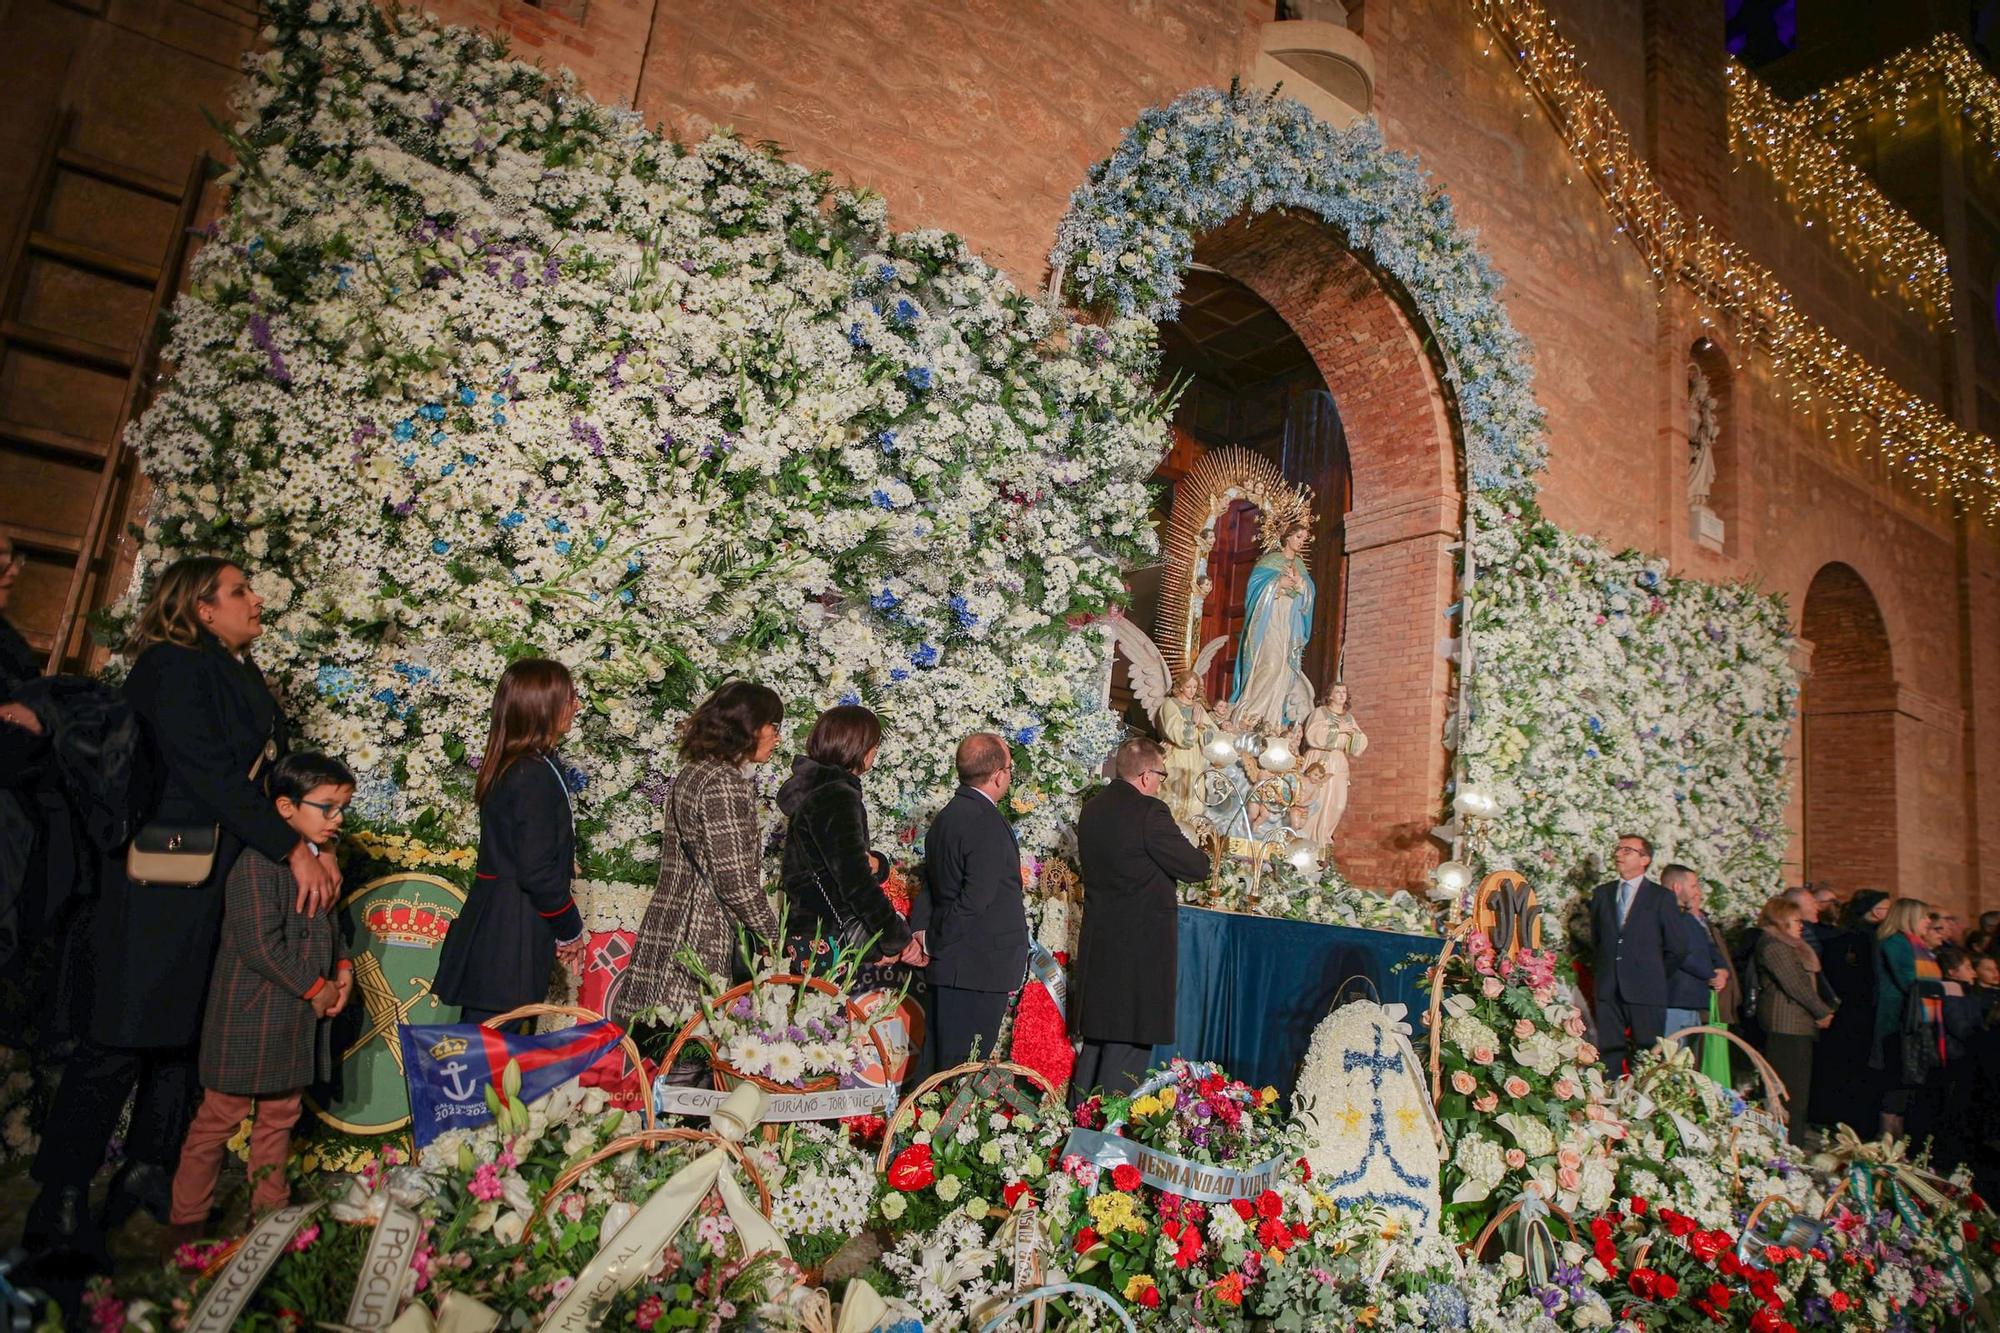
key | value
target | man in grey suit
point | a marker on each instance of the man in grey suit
(1635, 924)
(970, 920)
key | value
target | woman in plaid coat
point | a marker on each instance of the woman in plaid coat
(711, 857)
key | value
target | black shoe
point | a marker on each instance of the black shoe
(139, 1185)
(59, 1220)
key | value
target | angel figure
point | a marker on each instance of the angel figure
(1181, 717)
(1332, 739)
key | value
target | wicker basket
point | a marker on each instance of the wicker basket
(1775, 1093)
(582, 1015)
(906, 1110)
(727, 1077)
(647, 1138)
(1477, 1249)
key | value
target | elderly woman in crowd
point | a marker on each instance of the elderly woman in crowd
(1794, 1007)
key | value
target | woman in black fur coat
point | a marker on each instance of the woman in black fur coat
(831, 878)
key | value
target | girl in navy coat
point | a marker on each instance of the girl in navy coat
(519, 918)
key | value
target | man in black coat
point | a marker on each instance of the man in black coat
(970, 920)
(1635, 924)
(1122, 1001)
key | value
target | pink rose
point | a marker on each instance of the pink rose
(1569, 1157)
(1567, 1178)
(1516, 1159)
(1516, 1086)
(1573, 1025)
(1462, 1082)
(1492, 986)
(1523, 1029)
(1485, 1102)
(1482, 1055)
(1586, 1054)
(1564, 1088)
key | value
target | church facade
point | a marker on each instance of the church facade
(1682, 419)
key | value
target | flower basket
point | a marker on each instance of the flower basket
(1775, 1093)
(727, 1076)
(1434, 1016)
(905, 1113)
(645, 1138)
(582, 1015)
(1477, 1249)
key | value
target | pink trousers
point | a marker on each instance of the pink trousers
(201, 1155)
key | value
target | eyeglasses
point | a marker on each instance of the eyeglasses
(14, 559)
(328, 808)
(1154, 773)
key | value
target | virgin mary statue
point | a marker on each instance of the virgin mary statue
(1277, 621)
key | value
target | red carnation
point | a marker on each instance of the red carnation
(1668, 1286)
(1244, 1209)
(1707, 1244)
(1189, 1249)
(1839, 1300)
(1307, 1169)
(912, 1168)
(1269, 1205)
(1125, 1177)
(1084, 1240)
(1012, 1194)
(1273, 1235)
(1639, 1206)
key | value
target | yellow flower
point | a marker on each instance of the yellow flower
(1275, 1258)
(1168, 1096)
(1391, 1229)
(1366, 1318)
(1148, 1105)
(1268, 1096)
(1138, 1285)
(1113, 1212)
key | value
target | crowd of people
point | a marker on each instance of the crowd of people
(204, 962)
(1875, 1012)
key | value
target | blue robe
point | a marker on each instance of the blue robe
(1264, 576)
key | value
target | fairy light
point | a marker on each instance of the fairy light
(1905, 84)
(1830, 193)
(1919, 447)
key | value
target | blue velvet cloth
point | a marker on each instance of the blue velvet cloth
(1252, 988)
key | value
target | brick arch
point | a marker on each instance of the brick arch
(1405, 460)
(1847, 725)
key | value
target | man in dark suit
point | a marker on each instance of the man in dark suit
(970, 921)
(1703, 968)
(1635, 925)
(1122, 1001)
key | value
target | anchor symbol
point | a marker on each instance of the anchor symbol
(455, 1086)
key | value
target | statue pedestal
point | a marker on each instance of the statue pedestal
(1705, 527)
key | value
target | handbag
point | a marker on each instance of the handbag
(182, 855)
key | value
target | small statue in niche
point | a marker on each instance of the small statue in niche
(1179, 714)
(1332, 740)
(1704, 430)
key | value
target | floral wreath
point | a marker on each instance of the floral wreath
(1190, 167)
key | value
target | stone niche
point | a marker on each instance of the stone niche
(1321, 63)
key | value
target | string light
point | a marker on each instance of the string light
(1904, 83)
(1920, 448)
(1827, 190)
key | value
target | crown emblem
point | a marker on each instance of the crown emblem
(448, 1047)
(410, 924)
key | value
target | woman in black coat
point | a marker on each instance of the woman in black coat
(519, 917)
(830, 877)
(207, 717)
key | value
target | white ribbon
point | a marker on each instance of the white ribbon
(457, 1313)
(378, 1290)
(240, 1277)
(635, 1250)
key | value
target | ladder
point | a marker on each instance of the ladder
(96, 261)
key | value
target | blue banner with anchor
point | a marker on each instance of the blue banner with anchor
(449, 1067)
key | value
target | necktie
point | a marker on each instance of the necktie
(1624, 900)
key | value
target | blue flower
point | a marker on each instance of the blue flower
(906, 311)
(555, 525)
(468, 459)
(625, 595)
(562, 548)
(1027, 735)
(447, 469)
(634, 565)
(499, 418)
(467, 397)
(885, 601)
(886, 272)
(1596, 725)
(881, 500)
(925, 656)
(336, 681)
(855, 336)
(404, 431)
(410, 459)
(962, 614)
(513, 520)
(919, 376)
(438, 437)
(497, 399)
(440, 546)
(897, 673)
(850, 698)
(887, 439)
(431, 411)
